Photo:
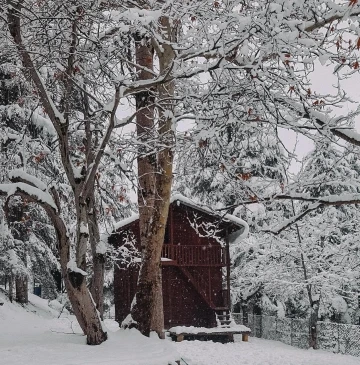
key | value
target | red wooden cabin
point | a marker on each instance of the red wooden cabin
(195, 265)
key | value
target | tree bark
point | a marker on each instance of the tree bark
(143, 308)
(21, 285)
(313, 324)
(155, 179)
(11, 288)
(165, 166)
(97, 282)
(75, 283)
(98, 259)
(314, 304)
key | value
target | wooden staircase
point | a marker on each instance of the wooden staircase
(224, 318)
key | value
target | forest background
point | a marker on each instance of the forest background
(75, 76)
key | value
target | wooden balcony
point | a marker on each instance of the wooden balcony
(194, 255)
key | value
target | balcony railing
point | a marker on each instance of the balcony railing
(195, 255)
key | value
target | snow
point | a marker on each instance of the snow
(71, 265)
(351, 133)
(101, 247)
(18, 173)
(195, 330)
(126, 221)
(110, 106)
(228, 217)
(39, 195)
(84, 228)
(33, 335)
(256, 352)
(138, 259)
(43, 123)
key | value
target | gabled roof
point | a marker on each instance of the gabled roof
(181, 199)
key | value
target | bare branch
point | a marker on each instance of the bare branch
(326, 21)
(90, 179)
(14, 25)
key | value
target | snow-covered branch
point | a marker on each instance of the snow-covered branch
(326, 200)
(28, 191)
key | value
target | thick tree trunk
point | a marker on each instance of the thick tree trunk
(155, 179)
(98, 259)
(143, 308)
(97, 282)
(21, 285)
(84, 308)
(75, 283)
(157, 319)
(165, 164)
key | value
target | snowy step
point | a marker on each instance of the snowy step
(223, 316)
(225, 322)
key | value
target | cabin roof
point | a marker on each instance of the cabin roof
(181, 199)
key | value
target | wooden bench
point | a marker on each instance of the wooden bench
(217, 334)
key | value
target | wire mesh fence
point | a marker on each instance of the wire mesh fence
(334, 337)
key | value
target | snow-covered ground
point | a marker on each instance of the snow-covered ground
(35, 336)
(257, 352)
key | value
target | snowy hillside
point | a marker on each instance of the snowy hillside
(33, 335)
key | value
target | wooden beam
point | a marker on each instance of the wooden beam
(228, 299)
(180, 338)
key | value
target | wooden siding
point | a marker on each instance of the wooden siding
(193, 281)
(195, 255)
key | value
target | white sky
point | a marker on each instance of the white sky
(324, 81)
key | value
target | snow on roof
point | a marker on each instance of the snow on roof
(126, 221)
(181, 199)
(225, 217)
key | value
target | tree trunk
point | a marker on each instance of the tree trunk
(75, 283)
(84, 308)
(313, 324)
(98, 259)
(155, 179)
(157, 319)
(97, 282)
(165, 163)
(21, 285)
(144, 304)
(245, 314)
(11, 287)
(314, 304)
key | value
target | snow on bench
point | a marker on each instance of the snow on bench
(225, 334)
